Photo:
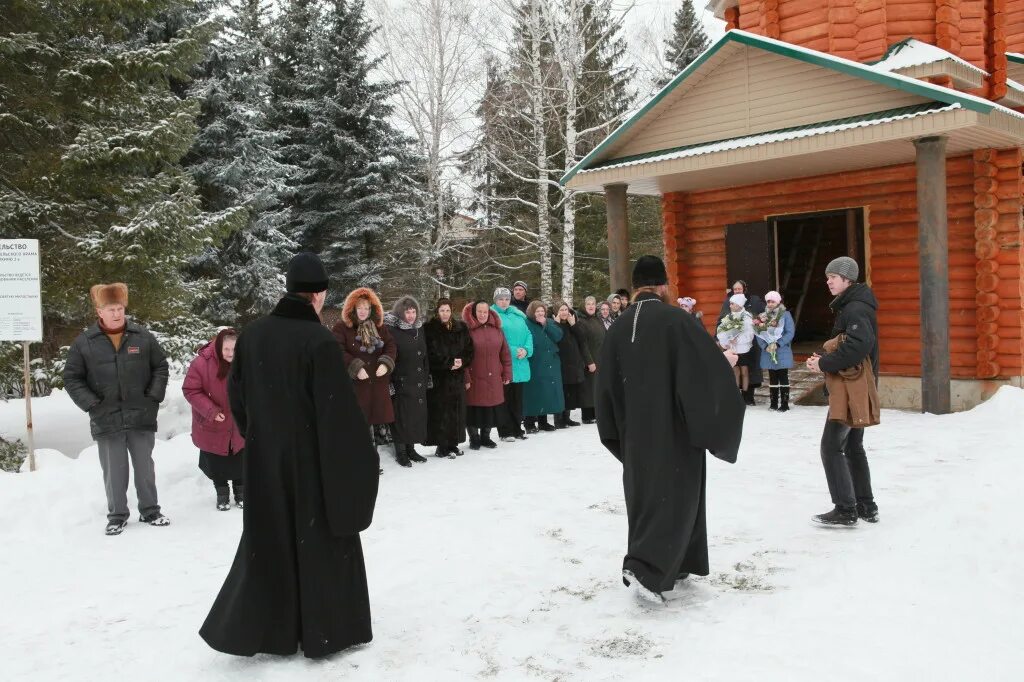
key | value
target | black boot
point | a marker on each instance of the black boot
(775, 398)
(530, 425)
(474, 437)
(410, 451)
(485, 439)
(840, 517)
(400, 455)
(784, 405)
(559, 421)
(443, 452)
(223, 498)
(239, 494)
(567, 419)
(867, 511)
(542, 423)
(748, 396)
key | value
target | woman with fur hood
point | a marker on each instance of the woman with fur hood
(489, 372)
(369, 353)
(214, 431)
(410, 379)
(450, 350)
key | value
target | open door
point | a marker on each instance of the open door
(750, 256)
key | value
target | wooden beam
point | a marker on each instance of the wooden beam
(933, 254)
(618, 236)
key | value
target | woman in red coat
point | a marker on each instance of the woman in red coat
(213, 428)
(369, 353)
(489, 371)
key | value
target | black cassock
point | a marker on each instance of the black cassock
(310, 488)
(665, 395)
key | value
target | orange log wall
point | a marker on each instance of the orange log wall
(979, 31)
(985, 258)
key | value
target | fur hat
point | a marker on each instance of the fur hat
(306, 274)
(773, 296)
(109, 294)
(649, 271)
(501, 292)
(844, 266)
(403, 304)
(738, 299)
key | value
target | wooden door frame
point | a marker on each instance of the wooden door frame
(865, 209)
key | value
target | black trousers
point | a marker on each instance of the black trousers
(846, 465)
(511, 423)
(778, 378)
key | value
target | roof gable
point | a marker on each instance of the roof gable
(719, 55)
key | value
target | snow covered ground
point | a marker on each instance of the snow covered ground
(505, 564)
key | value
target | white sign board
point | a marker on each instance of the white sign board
(21, 301)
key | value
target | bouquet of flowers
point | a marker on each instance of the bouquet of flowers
(729, 329)
(768, 327)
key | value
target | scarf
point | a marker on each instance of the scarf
(368, 337)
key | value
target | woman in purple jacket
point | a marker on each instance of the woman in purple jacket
(213, 429)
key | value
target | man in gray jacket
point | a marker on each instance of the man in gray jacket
(117, 372)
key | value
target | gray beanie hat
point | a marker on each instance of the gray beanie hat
(844, 266)
(502, 292)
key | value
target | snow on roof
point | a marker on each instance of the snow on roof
(798, 132)
(912, 52)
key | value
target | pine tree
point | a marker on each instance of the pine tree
(687, 42)
(356, 186)
(234, 163)
(91, 135)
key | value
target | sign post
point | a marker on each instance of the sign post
(21, 312)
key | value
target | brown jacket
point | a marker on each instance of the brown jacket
(852, 393)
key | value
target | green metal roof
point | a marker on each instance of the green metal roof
(875, 117)
(845, 66)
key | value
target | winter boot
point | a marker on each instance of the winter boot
(410, 450)
(840, 517)
(455, 451)
(560, 420)
(156, 519)
(115, 527)
(474, 437)
(401, 456)
(530, 425)
(543, 425)
(485, 439)
(748, 396)
(774, 391)
(867, 511)
(784, 393)
(239, 494)
(223, 498)
(642, 594)
(567, 419)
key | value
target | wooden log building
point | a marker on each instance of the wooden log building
(887, 130)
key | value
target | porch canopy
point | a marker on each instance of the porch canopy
(752, 109)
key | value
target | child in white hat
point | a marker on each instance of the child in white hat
(736, 333)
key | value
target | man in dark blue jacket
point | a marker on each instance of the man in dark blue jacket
(117, 372)
(842, 447)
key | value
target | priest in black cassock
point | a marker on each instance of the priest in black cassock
(665, 396)
(311, 477)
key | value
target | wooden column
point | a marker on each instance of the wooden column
(933, 257)
(618, 236)
(851, 237)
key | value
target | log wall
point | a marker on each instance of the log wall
(985, 257)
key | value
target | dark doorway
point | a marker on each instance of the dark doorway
(803, 245)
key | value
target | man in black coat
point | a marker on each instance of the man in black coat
(842, 447)
(665, 395)
(117, 372)
(311, 477)
(519, 296)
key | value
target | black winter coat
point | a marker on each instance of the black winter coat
(574, 354)
(121, 390)
(409, 381)
(310, 488)
(446, 400)
(593, 335)
(665, 395)
(856, 316)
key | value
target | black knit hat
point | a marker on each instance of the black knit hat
(649, 271)
(306, 274)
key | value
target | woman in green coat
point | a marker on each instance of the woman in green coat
(520, 344)
(543, 393)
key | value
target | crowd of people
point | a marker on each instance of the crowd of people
(285, 416)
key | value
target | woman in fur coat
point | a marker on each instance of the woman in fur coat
(489, 372)
(369, 353)
(450, 350)
(410, 379)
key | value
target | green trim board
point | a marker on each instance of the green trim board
(878, 116)
(845, 66)
(1015, 57)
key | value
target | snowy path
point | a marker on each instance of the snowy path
(504, 565)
